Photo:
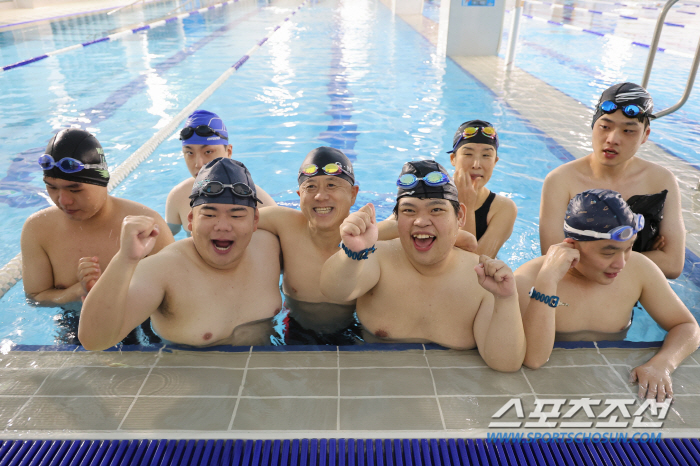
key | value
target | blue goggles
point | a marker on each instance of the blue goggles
(409, 180)
(631, 110)
(622, 233)
(68, 165)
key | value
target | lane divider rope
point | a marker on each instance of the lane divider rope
(603, 13)
(11, 273)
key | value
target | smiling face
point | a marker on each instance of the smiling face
(198, 155)
(80, 201)
(476, 159)
(616, 138)
(601, 261)
(222, 232)
(325, 200)
(428, 228)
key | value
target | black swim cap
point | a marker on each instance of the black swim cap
(479, 137)
(626, 94)
(322, 156)
(80, 145)
(598, 210)
(226, 172)
(420, 168)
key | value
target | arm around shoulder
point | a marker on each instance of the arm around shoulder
(553, 203)
(499, 228)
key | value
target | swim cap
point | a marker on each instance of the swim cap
(626, 94)
(223, 171)
(479, 137)
(598, 210)
(205, 118)
(322, 156)
(80, 145)
(420, 168)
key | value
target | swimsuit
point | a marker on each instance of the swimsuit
(480, 215)
(68, 320)
(651, 206)
(292, 332)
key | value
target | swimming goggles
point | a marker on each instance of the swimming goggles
(330, 169)
(471, 131)
(622, 233)
(216, 188)
(201, 130)
(68, 165)
(409, 180)
(631, 110)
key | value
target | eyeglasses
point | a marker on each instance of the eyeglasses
(215, 188)
(330, 169)
(471, 131)
(68, 165)
(622, 233)
(630, 110)
(409, 180)
(201, 130)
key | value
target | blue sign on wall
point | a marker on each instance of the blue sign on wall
(478, 2)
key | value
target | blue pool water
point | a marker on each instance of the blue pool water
(341, 73)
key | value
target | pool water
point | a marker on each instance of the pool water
(342, 73)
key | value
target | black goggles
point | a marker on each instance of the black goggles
(216, 188)
(201, 130)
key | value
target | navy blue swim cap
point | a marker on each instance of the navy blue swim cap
(74, 143)
(216, 184)
(599, 211)
(320, 158)
(212, 120)
(420, 168)
(479, 137)
(625, 94)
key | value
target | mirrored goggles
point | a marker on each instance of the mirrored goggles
(201, 130)
(68, 165)
(409, 180)
(622, 233)
(471, 131)
(631, 110)
(330, 169)
(215, 188)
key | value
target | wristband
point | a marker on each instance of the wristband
(358, 256)
(551, 301)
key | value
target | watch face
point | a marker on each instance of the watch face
(555, 301)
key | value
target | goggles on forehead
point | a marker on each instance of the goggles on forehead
(201, 130)
(630, 110)
(622, 233)
(471, 131)
(329, 169)
(409, 180)
(216, 188)
(68, 165)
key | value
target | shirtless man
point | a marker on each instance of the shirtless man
(84, 224)
(620, 126)
(490, 216)
(204, 138)
(420, 287)
(308, 237)
(218, 287)
(585, 289)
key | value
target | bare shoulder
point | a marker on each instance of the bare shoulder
(643, 269)
(181, 191)
(502, 204)
(659, 177)
(530, 269)
(127, 207)
(39, 223)
(264, 239)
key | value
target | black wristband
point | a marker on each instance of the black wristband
(358, 256)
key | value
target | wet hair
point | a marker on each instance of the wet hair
(455, 206)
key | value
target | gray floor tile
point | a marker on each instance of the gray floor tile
(112, 359)
(386, 382)
(470, 412)
(180, 414)
(299, 382)
(33, 359)
(576, 380)
(203, 359)
(299, 414)
(8, 407)
(629, 357)
(453, 358)
(94, 381)
(22, 381)
(574, 357)
(413, 358)
(70, 413)
(390, 414)
(686, 380)
(192, 381)
(479, 381)
(294, 359)
(684, 413)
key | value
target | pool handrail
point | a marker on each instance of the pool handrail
(652, 54)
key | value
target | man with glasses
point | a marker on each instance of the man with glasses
(620, 126)
(219, 287)
(204, 138)
(585, 289)
(83, 225)
(421, 288)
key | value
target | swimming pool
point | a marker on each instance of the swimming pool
(340, 73)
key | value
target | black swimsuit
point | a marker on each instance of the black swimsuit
(651, 206)
(480, 215)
